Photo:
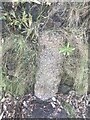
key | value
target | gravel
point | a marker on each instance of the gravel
(29, 106)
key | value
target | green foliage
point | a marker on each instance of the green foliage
(70, 110)
(18, 21)
(81, 81)
(14, 86)
(66, 50)
(21, 51)
(23, 57)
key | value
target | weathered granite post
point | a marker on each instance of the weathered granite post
(49, 65)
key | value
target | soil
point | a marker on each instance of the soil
(30, 106)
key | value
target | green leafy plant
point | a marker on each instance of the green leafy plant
(66, 50)
(13, 20)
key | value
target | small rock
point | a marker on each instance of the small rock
(54, 99)
(53, 105)
(5, 107)
(2, 100)
(25, 104)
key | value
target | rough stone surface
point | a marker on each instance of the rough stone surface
(49, 65)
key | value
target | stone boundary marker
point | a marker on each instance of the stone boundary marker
(50, 65)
